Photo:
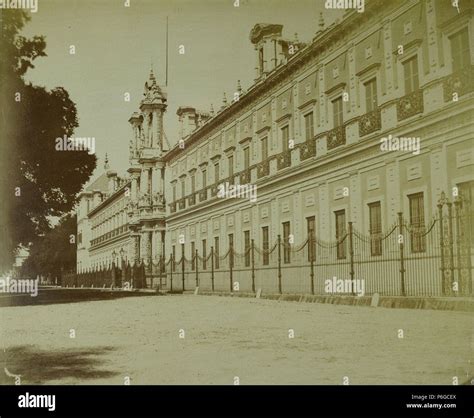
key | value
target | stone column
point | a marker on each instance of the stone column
(134, 191)
(142, 245)
(433, 46)
(155, 183)
(143, 181)
(161, 183)
(135, 253)
(159, 129)
(389, 78)
(394, 203)
(148, 250)
(257, 63)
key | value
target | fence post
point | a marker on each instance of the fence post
(253, 265)
(162, 267)
(212, 268)
(196, 267)
(457, 215)
(401, 246)
(231, 265)
(441, 246)
(171, 271)
(182, 264)
(451, 242)
(143, 275)
(351, 257)
(311, 258)
(279, 264)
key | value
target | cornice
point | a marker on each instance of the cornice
(320, 43)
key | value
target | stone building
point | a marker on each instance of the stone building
(372, 117)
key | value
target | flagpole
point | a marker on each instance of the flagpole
(166, 82)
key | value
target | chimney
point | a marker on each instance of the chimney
(266, 39)
(187, 120)
(112, 181)
(97, 198)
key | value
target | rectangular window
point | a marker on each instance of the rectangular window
(337, 112)
(460, 54)
(410, 70)
(174, 191)
(340, 233)
(216, 253)
(216, 172)
(370, 95)
(311, 233)
(193, 255)
(309, 126)
(286, 242)
(265, 246)
(193, 183)
(264, 148)
(231, 248)
(183, 187)
(247, 248)
(231, 165)
(246, 158)
(79, 238)
(204, 254)
(204, 179)
(375, 228)
(285, 136)
(417, 223)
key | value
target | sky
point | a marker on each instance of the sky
(116, 45)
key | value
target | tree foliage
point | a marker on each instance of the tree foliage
(53, 253)
(37, 181)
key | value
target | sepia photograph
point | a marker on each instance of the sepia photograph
(202, 194)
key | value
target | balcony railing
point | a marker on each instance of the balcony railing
(109, 235)
(182, 203)
(410, 105)
(173, 207)
(370, 122)
(214, 191)
(284, 160)
(245, 176)
(192, 199)
(203, 195)
(307, 149)
(263, 169)
(458, 83)
(336, 137)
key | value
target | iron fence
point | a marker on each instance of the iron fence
(406, 260)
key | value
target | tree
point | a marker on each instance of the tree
(53, 253)
(37, 181)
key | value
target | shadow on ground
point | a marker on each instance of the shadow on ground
(38, 366)
(63, 295)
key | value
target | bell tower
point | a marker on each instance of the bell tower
(147, 125)
(146, 208)
(153, 106)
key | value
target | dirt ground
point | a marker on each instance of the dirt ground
(229, 340)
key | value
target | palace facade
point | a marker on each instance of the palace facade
(310, 134)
